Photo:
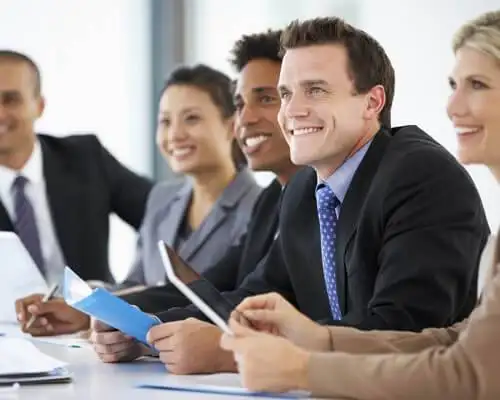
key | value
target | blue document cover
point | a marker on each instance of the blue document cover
(225, 391)
(106, 307)
(221, 384)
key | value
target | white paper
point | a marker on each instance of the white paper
(75, 288)
(71, 340)
(63, 340)
(20, 275)
(20, 356)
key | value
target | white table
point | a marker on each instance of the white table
(93, 379)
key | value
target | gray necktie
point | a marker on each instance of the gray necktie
(25, 223)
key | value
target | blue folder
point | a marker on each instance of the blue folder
(222, 384)
(229, 391)
(106, 307)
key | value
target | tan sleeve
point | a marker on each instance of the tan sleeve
(376, 342)
(468, 369)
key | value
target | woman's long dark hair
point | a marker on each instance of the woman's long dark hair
(220, 89)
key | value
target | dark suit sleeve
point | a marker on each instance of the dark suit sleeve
(222, 275)
(128, 190)
(434, 231)
(269, 276)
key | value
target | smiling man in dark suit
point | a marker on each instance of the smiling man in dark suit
(384, 231)
(57, 193)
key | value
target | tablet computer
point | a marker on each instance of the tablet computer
(197, 289)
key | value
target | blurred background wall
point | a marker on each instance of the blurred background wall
(104, 61)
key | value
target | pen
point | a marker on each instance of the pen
(46, 298)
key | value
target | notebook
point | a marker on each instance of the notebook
(21, 362)
(106, 307)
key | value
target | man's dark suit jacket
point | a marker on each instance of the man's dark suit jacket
(85, 184)
(409, 237)
(240, 260)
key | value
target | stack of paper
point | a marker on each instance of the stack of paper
(22, 362)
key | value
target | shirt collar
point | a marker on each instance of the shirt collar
(340, 180)
(32, 170)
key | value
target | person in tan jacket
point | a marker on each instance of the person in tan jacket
(287, 351)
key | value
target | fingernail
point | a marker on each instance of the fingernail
(20, 317)
(32, 309)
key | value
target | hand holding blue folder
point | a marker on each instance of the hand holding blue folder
(106, 307)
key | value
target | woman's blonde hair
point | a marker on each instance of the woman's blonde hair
(482, 34)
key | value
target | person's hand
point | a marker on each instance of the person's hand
(271, 313)
(265, 362)
(112, 346)
(53, 317)
(191, 347)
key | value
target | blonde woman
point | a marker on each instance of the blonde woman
(461, 362)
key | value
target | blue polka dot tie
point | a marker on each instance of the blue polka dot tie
(327, 202)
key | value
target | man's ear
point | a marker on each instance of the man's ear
(375, 102)
(41, 105)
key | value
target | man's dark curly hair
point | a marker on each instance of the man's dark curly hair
(264, 45)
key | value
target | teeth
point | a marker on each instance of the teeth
(305, 131)
(255, 141)
(181, 152)
(463, 131)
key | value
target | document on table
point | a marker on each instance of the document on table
(20, 275)
(106, 307)
(226, 384)
(21, 361)
(72, 341)
(13, 330)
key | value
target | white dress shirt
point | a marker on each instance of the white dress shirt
(37, 195)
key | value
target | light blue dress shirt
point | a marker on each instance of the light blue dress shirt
(341, 179)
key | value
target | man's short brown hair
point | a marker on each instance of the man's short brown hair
(368, 64)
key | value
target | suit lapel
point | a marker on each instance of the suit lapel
(352, 204)
(63, 194)
(228, 200)
(5, 221)
(272, 205)
(170, 225)
(201, 235)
